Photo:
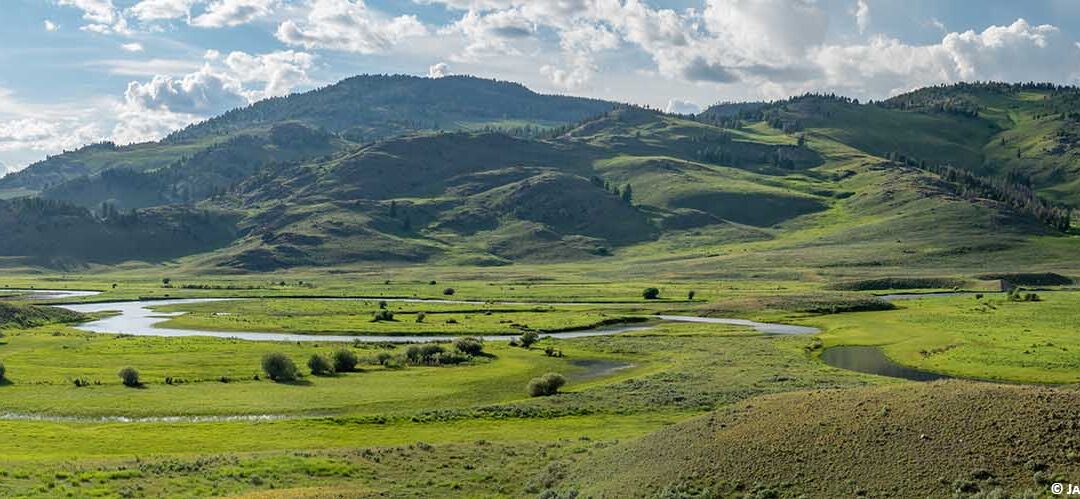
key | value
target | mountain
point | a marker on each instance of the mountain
(354, 111)
(818, 180)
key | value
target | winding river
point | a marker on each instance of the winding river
(138, 318)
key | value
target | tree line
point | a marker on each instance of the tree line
(1014, 191)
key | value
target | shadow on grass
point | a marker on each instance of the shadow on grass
(296, 382)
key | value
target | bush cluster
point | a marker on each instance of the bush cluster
(320, 365)
(469, 346)
(345, 361)
(383, 315)
(528, 338)
(650, 293)
(130, 377)
(546, 385)
(279, 367)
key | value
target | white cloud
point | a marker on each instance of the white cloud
(158, 10)
(492, 34)
(132, 47)
(678, 106)
(348, 25)
(101, 16)
(1018, 52)
(439, 70)
(279, 72)
(229, 13)
(862, 15)
(51, 26)
(202, 92)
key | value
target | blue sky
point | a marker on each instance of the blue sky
(80, 71)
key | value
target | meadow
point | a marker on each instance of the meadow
(206, 420)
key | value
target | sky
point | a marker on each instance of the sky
(84, 71)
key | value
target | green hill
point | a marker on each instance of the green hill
(818, 180)
(355, 111)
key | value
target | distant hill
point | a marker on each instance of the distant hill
(364, 108)
(489, 173)
(356, 111)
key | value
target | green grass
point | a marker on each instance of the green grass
(990, 338)
(42, 365)
(356, 317)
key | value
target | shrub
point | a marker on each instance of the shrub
(423, 354)
(383, 315)
(545, 385)
(279, 367)
(420, 316)
(448, 291)
(383, 357)
(3, 371)
(130, 377)
(345, 361)
(469, 346)
(319, 365)
(553, 352)
(449, 358)
(528, 338)
(651, 293)
(690, 295)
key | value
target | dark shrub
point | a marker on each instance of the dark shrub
(1030, 278)
(423, 354)
(279, 367)
(449, 358)
(545, 385)
(448, 291)
(383, 357)
(528, 338)
(553, 352)
(469, 346)
(130, 377)
(345, 361)
(690, 295)
(420, 316)
(3, 371)
(383, 315)
(319, 365)
(651, 293)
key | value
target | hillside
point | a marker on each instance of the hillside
(354, 111)
(819, 181)
(908, 440)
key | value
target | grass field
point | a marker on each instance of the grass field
(471, 428)
(356, 317)
(989, 338)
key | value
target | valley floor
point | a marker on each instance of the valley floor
(671, 409)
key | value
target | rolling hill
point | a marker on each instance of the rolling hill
(357, 110)
(467, 171)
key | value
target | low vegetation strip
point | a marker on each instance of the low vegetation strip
(886, 283)
(26, 316)
(1030, 278)
(818, 303)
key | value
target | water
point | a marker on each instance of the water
(871, 360)
(136, 318)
